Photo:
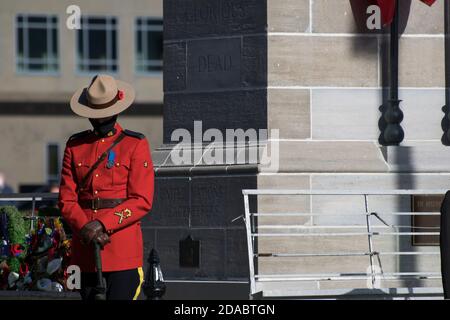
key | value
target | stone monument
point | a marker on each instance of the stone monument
(215, 76)
(302, 67)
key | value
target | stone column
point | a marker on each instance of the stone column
(215, 64)
(215, 73)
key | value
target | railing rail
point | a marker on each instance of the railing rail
(371, 231)
(38, 196)
(29, 197)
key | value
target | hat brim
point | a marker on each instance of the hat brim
(79, 103)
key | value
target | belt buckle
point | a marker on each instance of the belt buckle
(95, 203)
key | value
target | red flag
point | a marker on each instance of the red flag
(388, 8)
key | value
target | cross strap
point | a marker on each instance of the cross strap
(85, 179)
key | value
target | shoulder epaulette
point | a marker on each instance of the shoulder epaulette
(134, 134)
(79, 135)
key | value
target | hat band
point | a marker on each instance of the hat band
(104, 105)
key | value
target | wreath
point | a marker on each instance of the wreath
(36, 259)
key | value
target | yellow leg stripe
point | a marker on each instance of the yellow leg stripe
(141, 281)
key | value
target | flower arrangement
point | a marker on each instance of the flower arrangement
(34, 260)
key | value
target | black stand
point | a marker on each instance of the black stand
(394, 134)
(445, 209)
(101, 283)
(447, 63)
(154, 286)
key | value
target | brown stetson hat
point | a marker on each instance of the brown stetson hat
(105, 97)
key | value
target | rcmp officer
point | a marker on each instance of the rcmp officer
(106, 188)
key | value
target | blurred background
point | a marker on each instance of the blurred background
(43, 62)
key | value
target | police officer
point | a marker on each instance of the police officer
(106, 188)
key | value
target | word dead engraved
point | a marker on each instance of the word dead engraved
(215, 63)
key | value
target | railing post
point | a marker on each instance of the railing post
(33, 208)
(154, 287)
(250, 246)
(369, 238)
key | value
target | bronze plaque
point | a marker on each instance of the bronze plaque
(426, 203)
(189, 253)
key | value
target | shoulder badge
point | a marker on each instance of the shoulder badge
(79, 135)
(134, 134)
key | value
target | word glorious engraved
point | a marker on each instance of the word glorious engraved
(214, 64)
(192, 19)
(214, 12)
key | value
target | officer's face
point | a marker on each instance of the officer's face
(101, 120)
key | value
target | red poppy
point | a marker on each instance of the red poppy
(120, 95)
(16, 250)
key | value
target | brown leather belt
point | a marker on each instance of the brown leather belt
(99, 203)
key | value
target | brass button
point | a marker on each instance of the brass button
(95, 191)
(117, 164)
(103, 140)
(95, 210)
(79, 164)
(96, 175)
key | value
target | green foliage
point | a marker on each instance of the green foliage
(16, 225)
(17, 232)
(14, 264)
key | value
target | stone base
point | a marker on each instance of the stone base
(205, 202)
(423, 157)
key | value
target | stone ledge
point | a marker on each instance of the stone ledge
(328, 156)
(38, 295)
(164, 166)
(206, 170)
(318, 156)
(420, 157)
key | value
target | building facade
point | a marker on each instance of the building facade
(44, 60)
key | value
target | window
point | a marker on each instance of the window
(37, 43)
(149, 45)
(53, 166)
(97, 44)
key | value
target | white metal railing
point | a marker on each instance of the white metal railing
(255, 231)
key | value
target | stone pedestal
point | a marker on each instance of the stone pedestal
(215, 75)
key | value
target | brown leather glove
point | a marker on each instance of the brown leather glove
(102, 239)
(90, 231)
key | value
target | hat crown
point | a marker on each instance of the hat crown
(102, 89)
(103, 97)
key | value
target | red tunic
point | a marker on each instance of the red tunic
(131, 177)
